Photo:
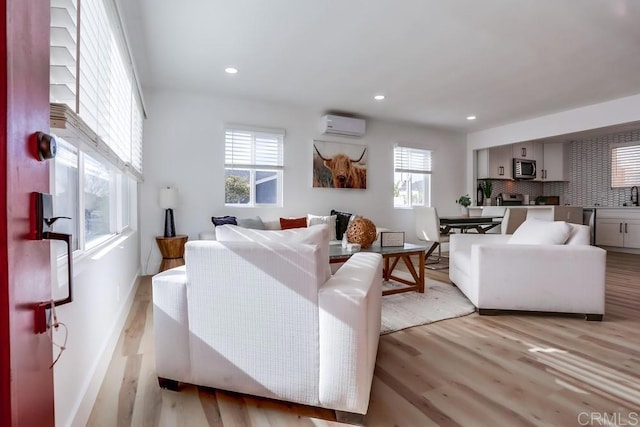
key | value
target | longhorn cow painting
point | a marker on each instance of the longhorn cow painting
(338, 165)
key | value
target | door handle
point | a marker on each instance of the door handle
(44, 220)
(625, 227)
(621, 227)
(524, 151)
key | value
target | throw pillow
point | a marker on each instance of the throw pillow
(222, 220)
(253, 223)
(537, 232)
(329, 220)
(288, 223)
(342, 222)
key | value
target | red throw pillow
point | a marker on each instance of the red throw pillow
(287, 223)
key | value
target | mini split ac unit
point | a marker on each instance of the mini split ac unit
(342, 125)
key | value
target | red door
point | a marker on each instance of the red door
(26, 382)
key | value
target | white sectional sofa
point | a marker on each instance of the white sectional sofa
(504, 272)
(258, 312)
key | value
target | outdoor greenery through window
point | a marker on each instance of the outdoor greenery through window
(412, 177)
(253, 166)
(625, 164)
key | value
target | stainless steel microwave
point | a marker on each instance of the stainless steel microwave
(524, 169)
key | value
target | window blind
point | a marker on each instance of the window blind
(63, 52)
(625, 164)
(411, 160)
(256, 149)
(107, 105)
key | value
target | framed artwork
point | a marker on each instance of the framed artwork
(339, 165)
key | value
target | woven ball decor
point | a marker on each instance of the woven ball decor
(362, 231)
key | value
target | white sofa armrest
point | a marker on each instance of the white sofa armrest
(349, 329)
(171, 323)
(555, 278)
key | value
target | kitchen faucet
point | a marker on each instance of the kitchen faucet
(634, 195)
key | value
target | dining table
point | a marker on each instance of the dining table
(464, 223)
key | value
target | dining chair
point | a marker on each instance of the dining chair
(428, 230)
(512, 219)
(494, 211)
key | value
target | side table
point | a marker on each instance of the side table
(172, 250)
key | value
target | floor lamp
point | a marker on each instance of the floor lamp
(168, 201)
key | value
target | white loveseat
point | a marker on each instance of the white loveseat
(258, 312)
(496, 274)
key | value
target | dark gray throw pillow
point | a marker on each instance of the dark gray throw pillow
(222, 220)
(342, 222)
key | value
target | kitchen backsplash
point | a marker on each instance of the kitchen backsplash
(590, 174)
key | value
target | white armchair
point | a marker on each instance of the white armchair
(266, 318)
(496, 275)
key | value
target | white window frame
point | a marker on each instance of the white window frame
(414, 161)
(251, 164)
(625, 169)
(117, 224)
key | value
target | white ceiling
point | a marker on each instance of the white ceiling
(437, 61)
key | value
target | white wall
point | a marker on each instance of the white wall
(184, 147)
(610, 113)
(104, 285)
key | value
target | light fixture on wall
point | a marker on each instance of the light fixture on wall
(169, 201)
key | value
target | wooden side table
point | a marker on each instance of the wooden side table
(172, 250)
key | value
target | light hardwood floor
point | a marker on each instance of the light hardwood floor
(508, 370)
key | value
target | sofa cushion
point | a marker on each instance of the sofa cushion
(580, 235)
(253, 223)
(288, 223)
(330, 220)
(537, 232)
(314, 235)
(223, 220)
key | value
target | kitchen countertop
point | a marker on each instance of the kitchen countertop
(611, 207)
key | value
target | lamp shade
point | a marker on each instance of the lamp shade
(168, 198)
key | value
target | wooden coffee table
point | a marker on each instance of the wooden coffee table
(391, 255)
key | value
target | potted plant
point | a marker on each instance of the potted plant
(487, 189)
(464, 202)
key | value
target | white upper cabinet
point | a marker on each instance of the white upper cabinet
(555, 163)
(524, 150)
(495, 163)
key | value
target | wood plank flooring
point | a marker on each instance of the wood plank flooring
(508, 370)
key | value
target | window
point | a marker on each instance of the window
(97, 114)
(93, 193)
(412, 177)
(97, 200)
(625, 164)
(253, 166)
(66, 193)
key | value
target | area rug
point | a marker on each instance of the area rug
(439, 301)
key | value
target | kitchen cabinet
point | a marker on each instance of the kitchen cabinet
(618, 228)
(495, 162)
(555, 162)
(524, 150)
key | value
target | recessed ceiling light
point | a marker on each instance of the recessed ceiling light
(378, 97)
(471, 117)
(231, 70)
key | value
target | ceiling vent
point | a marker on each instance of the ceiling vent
(340, 125)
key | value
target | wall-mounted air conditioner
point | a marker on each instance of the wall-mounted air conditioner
(340, 125)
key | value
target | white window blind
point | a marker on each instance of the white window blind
(108, 100)
(63, 52)
(258, 149)
(625, 164)
(411, 160)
